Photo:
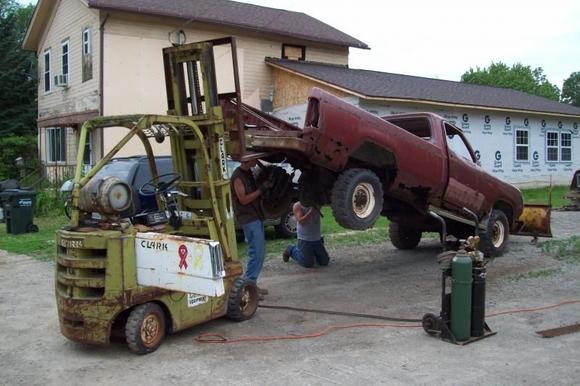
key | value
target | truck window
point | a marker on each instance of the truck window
(417, 126)
(456, 143)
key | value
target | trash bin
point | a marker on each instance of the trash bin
(6, 185)
(19, 210)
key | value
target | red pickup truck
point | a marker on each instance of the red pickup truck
(403, 166)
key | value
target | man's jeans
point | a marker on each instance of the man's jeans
(254, 234)
(306, 252)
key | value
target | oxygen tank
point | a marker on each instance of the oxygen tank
(462, 279)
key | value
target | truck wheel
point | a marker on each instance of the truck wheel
(357, 199)
(243, 300)
(403, 237)
(287, 226)
(494, 239)
(145, 328)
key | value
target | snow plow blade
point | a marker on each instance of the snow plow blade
(535, 221)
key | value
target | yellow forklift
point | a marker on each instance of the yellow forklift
(142, 275)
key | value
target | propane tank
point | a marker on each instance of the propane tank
(460, 323)
(107, 196)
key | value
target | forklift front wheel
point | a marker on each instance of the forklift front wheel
(145, 328)
(243, 300)
(431, 324)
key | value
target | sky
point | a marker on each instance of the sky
(443, 39)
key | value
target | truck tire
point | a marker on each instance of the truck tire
(357, 199)
(403, 237)
(145, 328)
(287, 227)
(242, 300)
(494, 240)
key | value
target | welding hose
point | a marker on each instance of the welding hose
(211, 337)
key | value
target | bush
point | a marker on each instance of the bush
(49, 202)
(14, 147)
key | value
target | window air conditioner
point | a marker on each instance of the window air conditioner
(61, 80)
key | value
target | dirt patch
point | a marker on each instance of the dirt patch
(372, 279)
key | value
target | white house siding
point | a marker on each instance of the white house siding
(493, 142)
(133, 66)
(69, 19)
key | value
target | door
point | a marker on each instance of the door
(465, 175)
(88, 156)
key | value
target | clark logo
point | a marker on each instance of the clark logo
(157, 245)
(526, 122)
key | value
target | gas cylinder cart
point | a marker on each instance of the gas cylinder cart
(142, 275)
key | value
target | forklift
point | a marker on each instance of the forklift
(142, 276)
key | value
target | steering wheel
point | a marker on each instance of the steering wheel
(161, 184)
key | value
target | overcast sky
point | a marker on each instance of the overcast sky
(444, 38)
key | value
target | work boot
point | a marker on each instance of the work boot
(262, 291)
(286, 255)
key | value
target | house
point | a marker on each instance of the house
(104, 57)
(521, 138)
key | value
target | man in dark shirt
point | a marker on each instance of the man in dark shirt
(246, 210)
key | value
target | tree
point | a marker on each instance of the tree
(18, 88)
(516, 77)
(571, 89)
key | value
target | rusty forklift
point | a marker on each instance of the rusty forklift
(142, 276)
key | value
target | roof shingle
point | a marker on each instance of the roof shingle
(374, 84)
(240, 15)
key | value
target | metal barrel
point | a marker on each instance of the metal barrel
(478, 302)
(461, 296)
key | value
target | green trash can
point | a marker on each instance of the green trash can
(19, 210)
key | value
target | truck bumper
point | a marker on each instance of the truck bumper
(77, 324)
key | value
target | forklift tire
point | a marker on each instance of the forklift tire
(145, 328)
(403, 237)
(243, 300)
(357, 199)
(494, 239)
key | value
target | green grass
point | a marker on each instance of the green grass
(39, 245)
(563, 249)
(537, 274)
(540, 196)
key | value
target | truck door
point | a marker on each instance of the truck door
(465, 175)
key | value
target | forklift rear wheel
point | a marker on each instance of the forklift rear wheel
(243, 300)
(431, 324)
(145, 328)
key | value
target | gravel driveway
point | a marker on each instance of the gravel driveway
(377, 279)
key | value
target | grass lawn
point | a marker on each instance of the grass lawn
(41, 244)
(540, 196)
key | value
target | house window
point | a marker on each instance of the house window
(293, 52)
(566, 146)
(87, 55)
(522, 145)
(64, 61)
(47, 71)
(55, 144)
(552, 146)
